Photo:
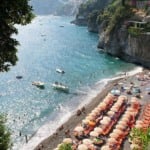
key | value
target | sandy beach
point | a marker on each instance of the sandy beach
(67, 128)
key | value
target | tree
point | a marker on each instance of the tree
(123, 2)
(11, 12)
(5, 142)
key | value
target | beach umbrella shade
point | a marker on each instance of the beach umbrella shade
(127, 115)
(111, 113)
(95, 111)
(67, 140)
(114, 109)
(111, 140)
(126, 119)
(79, 129)
(94, 134)
(102, 105)
(135, 146)
(139, 122)
(87, 141)
(118, 131)
(93, 115)
(134, 100)
(122, 97)
(98, 130)
(89, 117)
(106, 147)
(85, 121)
(105, 122)
(138, 126)
(106, 118)
(82, 147)
(119, 126)
(114, 135)
(124, 123)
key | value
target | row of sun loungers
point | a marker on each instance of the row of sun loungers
(123, 127)
(112, 119)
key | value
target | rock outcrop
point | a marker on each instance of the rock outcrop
(120, 43)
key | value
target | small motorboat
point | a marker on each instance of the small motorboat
(38, 84)
(19, 77)
(60, 71)
(60, 87)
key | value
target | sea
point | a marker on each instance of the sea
(48, 43)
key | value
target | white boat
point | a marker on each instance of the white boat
(60, 71)
(38, 84)
(60, 86)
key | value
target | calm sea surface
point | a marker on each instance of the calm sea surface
(46, 44)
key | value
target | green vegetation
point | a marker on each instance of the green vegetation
(135, 31)
(115, 14)
(140, 138)
(11, 13)
(5, 142)
(65, 146)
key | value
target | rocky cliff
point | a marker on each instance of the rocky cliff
(120, 43)
(131, 43)
(86, 9)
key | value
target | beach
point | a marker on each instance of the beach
(67, 128)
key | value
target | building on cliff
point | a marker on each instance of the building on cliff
(140, 4)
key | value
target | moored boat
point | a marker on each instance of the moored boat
(38, 84)
(60, 71)
(60, 86)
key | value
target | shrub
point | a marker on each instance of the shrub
(65, 146)
(4, 134)
(134, 31)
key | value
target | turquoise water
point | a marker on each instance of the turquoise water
(45, 46)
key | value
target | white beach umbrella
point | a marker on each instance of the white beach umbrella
(67, 140)
(135, 146)
(111, 140)
(122, 122)
(79, 129)
(102, 105)
(106, 147)
(139, 122)
(119, 126)
(106, 118)
(89, 117)
(82, 147)
(98, 130)
(104, 122)
(139, 126)
(111, 113)
(126, 119)
(118, 131)
(94, 134)
(122, 97)
(114, 135)
(114, 109)
(87, 141)
(85, 121)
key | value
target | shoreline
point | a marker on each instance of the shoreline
(50, 142)
(71, 123)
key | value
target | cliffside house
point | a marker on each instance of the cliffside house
(141, 4)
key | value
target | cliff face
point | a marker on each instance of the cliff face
(130, 48)
(86, 9)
